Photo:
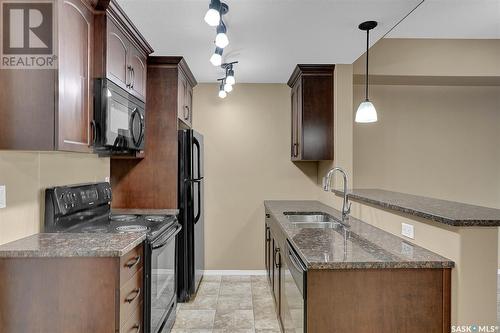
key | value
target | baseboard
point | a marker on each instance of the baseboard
(234, 272)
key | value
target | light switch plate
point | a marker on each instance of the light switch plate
(3, 195)
(407, 230)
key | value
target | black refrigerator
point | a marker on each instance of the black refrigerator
(191, 239)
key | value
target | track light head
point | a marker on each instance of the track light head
(215, 11)
(212, 17)
(221, 39)
(216, 58)
(230, 77)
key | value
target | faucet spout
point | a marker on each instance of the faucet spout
(346, 205)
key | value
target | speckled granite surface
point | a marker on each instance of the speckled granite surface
(443, 211)
(72, 245)
(119, 211)
(361, 246)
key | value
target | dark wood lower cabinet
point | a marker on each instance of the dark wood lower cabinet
(357, 300)
(72, 295)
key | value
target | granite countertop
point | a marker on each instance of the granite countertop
(448, 212)
(72, 245)
(120, 211)
(361, 246)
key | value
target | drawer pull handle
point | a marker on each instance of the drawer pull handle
(133, 262)
(137, 328)
(277, 263)
(136, 293)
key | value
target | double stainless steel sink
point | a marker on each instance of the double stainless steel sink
(312, 220)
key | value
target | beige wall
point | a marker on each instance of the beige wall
(433, 57)
(27, 174)
(441, 141)
(247, 161)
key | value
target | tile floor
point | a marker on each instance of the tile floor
(229, 304)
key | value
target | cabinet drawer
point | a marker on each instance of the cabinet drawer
(134, 323)
(131, 295)
(131, 263)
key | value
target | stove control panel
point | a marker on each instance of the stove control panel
(66, 200)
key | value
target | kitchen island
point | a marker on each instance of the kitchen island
(319, 275)
(465, 233)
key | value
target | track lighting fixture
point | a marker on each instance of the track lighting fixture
(366, 112)
(216, 58)
(221, 39)
(229, 72)
(215, 11)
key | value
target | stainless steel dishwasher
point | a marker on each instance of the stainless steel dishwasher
(294, 300)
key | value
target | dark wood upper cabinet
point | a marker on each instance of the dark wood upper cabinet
(185, 91)
(123, 59)
(75, 74)
(51, 109)
(312, 113)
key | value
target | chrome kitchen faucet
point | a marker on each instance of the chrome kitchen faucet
(346, 205)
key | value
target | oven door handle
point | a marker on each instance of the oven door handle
(166, 239)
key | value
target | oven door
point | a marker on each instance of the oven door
(160, 282)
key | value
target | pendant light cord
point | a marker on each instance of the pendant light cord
(367, 51)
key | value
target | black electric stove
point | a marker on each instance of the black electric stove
(86, 208)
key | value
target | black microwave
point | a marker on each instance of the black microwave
(119, 120)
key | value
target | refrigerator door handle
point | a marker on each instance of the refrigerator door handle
(195, 180)
(197, 217)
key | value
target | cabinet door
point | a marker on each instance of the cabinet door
(182, 108)
(117, 55)
(75, 68)
(137, 68)
(296, 120)
(189, 104)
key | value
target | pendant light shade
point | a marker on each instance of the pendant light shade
(366, 112)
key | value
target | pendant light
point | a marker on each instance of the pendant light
(366, 112)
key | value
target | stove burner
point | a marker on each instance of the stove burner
(123, 218)
(91, 229)
(132, 228)
(155, 218)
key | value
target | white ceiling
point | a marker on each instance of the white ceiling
(267, 37)
(452, 19)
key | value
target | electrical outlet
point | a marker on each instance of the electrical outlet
(3, 195)
(407, 230)
(407, 249)
(106, 179)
